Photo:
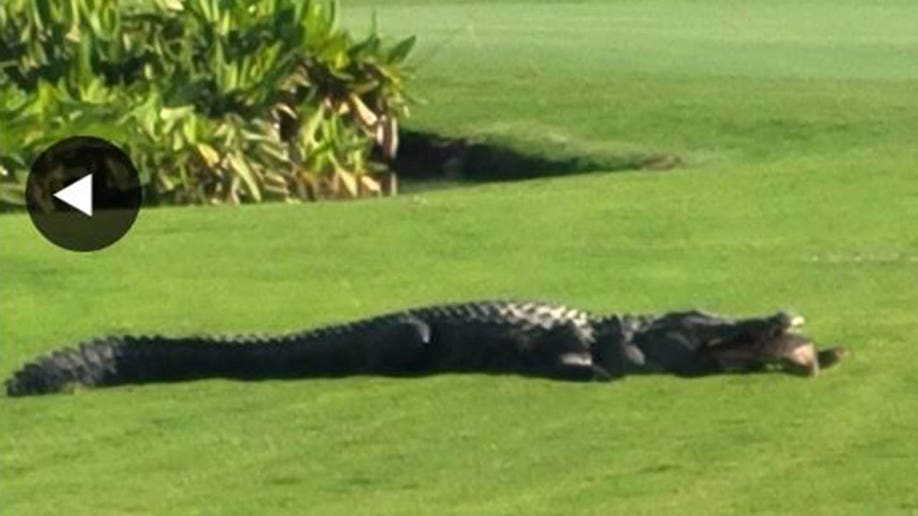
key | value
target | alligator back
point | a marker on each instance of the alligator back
(489, 336)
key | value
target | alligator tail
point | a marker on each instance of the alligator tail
(386, 348)
(121, 360)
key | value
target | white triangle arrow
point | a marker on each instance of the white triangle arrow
(78, 194)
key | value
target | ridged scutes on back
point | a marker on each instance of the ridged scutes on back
(331, 349)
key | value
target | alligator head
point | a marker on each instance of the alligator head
(774, 343)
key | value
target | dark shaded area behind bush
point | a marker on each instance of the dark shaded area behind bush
(426, 156)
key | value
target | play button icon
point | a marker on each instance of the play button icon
(83, 193)
(78, 195)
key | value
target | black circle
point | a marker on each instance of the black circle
(116, 193)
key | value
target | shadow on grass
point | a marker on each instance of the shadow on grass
(428, 160)
(429, 156)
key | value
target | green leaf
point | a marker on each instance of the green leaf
(243, 170)
(183, 80)
(208, 154)
(12, 193)
(401, 50)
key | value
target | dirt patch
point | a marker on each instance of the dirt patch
(423, 155)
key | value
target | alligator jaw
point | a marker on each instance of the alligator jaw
(801, 358)
(783, 347)
(795, 353)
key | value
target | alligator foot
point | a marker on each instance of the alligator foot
(576, 367)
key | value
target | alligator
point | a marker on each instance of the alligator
(525, 338)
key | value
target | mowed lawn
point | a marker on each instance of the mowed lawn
(797, 126)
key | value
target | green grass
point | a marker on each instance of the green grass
(799, 192)
(714, 80)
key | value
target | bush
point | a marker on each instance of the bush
(216, 101)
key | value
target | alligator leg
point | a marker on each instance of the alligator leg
(400, 349)
(562, 354)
